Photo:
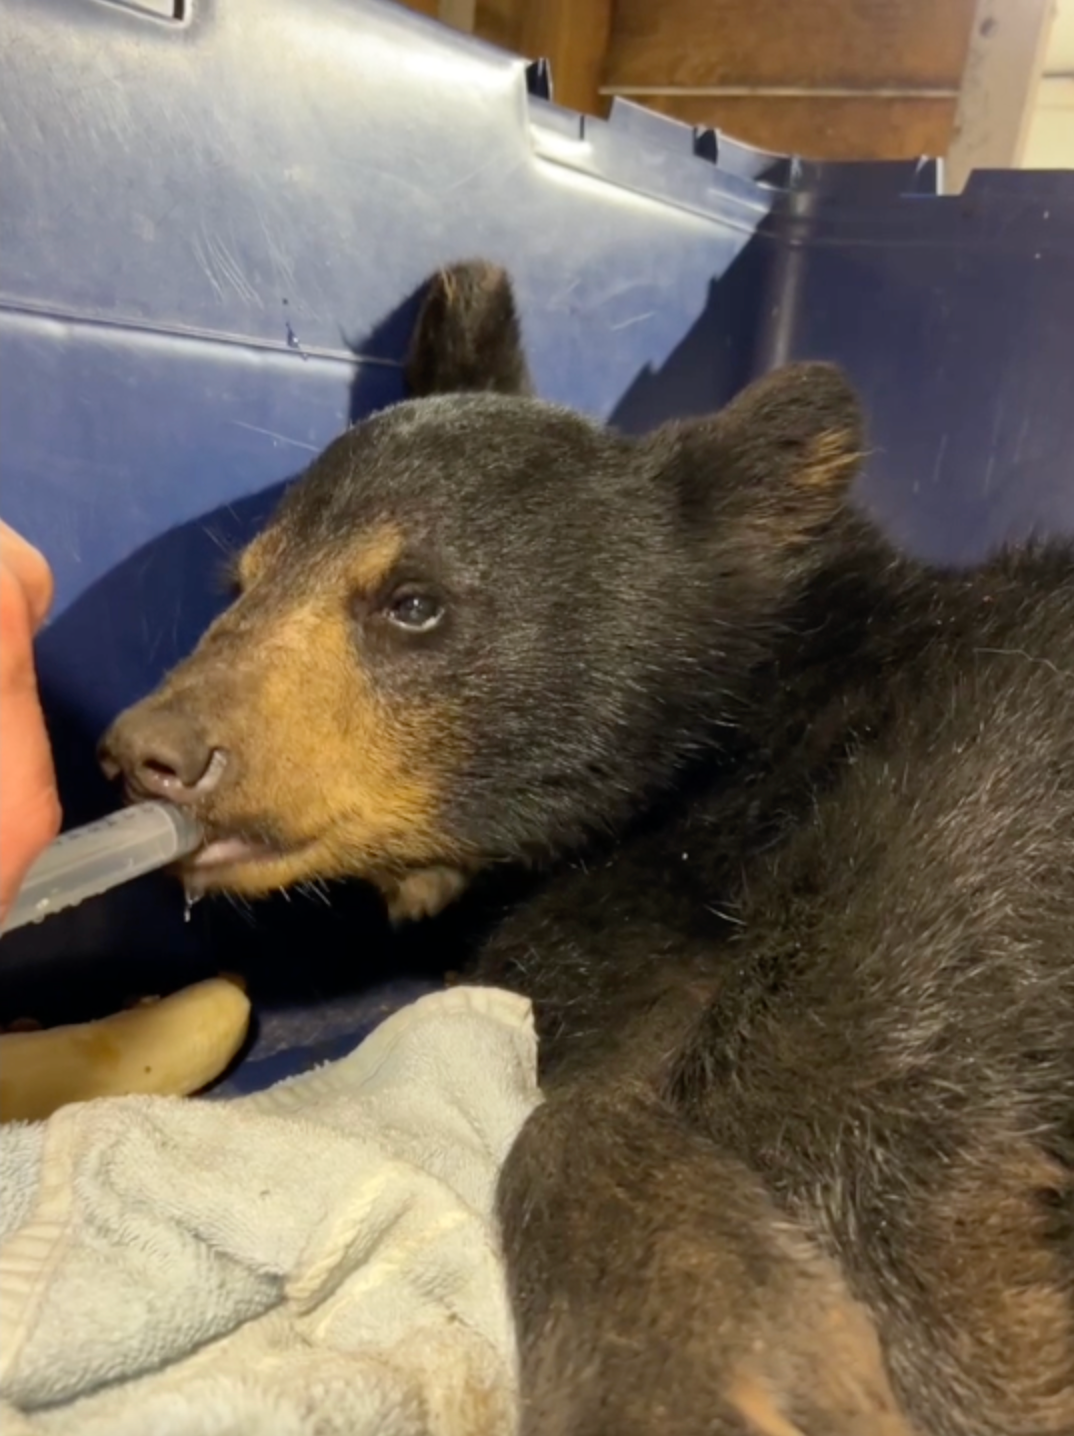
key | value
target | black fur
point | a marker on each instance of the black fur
(803, 966)
(835, 975)
(478, 344)
(848, 969)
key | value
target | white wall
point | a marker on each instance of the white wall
(1050, 141)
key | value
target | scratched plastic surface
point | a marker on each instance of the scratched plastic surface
(212, 235)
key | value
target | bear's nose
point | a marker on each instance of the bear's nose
(161, 754)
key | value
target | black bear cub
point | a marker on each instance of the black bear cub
(803, 955)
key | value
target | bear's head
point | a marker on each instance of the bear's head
(481, 628)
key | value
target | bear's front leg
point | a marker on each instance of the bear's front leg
(658, 1291)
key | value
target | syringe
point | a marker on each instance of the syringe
(90, 860)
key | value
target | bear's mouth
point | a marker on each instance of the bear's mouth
(227, 851)
(221, 857)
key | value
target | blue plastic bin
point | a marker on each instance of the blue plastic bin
(214, 221)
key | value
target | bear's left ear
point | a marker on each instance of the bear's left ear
(783, 452)
(468, 338)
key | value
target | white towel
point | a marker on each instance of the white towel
(317, 1259)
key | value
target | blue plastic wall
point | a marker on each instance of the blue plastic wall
(212, 233)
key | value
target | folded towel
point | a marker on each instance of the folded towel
(316, 1259)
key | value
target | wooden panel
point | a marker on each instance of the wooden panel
(852, 44)
(460, 14)
(494, 20)
(1003, 68)
(573, 35)
(423, 7)
(820, 129)
(500, 23)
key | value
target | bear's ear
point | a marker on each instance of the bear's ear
(783, 452)
(801, 425)
(468, 338)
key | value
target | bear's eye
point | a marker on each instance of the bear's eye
(414, 610)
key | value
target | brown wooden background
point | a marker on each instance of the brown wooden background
(839, 79)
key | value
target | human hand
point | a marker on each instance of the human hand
(29, 802)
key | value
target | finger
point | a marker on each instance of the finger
(31, 569)
(29, 805)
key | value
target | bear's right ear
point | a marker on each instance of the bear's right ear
(468, 338)
(783, 452)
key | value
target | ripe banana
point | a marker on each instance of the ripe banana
(171, 1048)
